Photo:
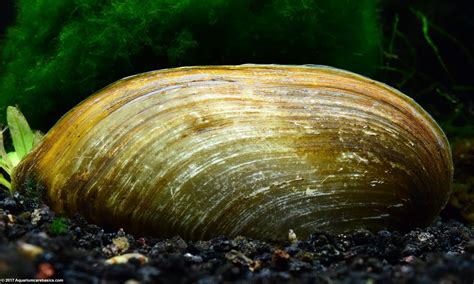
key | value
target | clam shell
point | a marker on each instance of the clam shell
(250, 150)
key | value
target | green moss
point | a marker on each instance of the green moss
(59, 52)
(59, 226)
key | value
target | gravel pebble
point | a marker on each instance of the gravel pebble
(443, 252)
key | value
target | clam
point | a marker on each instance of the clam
(252, 150)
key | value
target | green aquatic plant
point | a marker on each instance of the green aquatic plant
(431, 59)
(427, 37)
(60, 51)
(23, 140)
(59, 226)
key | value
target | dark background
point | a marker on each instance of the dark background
(7, 11)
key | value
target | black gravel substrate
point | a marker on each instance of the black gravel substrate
(35, 243)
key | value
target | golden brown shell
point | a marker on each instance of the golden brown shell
(250, 150)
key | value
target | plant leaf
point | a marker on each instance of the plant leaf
(14, 158)
(5, 166)
(5, 182)
(37, 137)
(5, 162)
(20, 131)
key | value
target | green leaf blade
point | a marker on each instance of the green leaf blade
(20, 131)
(5, 183)
(14, 158)
(5, 162)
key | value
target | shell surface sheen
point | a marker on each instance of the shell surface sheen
(250, 150)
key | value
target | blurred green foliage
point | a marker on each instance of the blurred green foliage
(59, 52)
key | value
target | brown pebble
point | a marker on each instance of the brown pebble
(238, 257)
(280, 258)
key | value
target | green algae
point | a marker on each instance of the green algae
(59, 52)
